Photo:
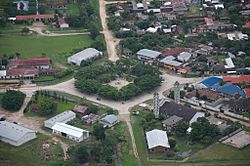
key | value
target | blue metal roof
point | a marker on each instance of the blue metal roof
(212, 82)
(231, 90)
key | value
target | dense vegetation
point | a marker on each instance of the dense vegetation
(13, 100)
(94, 79)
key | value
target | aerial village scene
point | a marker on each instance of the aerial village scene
(124, 82)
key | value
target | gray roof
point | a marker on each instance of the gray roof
(170, 61)
(157, 138)
(62, 117)
(13, 131)
(110, 118)
(172, 120)
(148, 53)
(86, 54)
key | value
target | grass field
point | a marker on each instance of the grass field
(29, 154)
(57, 48)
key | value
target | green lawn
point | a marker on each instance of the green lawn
(61, 107)
(30, 153)
(57, 48)
(221, 152)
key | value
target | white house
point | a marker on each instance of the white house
(70, 132)
(146, 54)
(63, 117)
(89, 53)
(157, 140)
(15, 134)
(184, 56)
(109, 120)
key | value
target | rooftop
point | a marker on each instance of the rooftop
(13, 131)
(110, 118)
(69, 130)
(148, 53)
(31, 17)
(237, 79)
(86, 54)
(157, 138)
(80, 108)
(28, 62)
(22, 71)
(172, 120)
(211, 81)
(64, 116)
(175, 51)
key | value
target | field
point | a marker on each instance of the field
(29, 153)
(57, 48)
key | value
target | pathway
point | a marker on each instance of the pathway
(111, 42)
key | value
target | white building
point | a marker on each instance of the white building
(63, 117)
(157, 140)
(146, 54)
(184, 56)
(70, 132)
(15, 134)
(109, 120)
(229, 63)
(89, 53)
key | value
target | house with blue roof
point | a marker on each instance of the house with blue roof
(211, 82)
(231, 89)
(216, 84)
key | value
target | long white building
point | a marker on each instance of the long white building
(63, 117)
(70, 132)
(15, 134)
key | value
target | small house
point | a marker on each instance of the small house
(109, 120)
(170, 122)
(80, 109)
(157, 140)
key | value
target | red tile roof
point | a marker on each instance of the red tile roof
(247, 91)
(247, 25)
(237, 79)
(209, 21)
(29, 62)
(175, 51)
(53, 3)
(61, 21)
(80, 108)
(22, 71)
(31, 17)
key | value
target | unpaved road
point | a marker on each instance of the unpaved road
(111, 42)
(39, 31)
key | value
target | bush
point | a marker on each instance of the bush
(63, 73)
(13, 100)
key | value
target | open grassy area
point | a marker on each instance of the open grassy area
(221, 58)
(57, 48)
(221, 152)
(30, 153)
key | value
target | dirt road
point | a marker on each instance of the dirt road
(111, 42)
(39, 31)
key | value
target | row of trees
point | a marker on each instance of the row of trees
(93, 79)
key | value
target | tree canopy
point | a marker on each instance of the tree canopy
(13, 100)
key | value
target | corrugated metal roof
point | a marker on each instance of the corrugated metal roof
(157, 138)
(69, 130)
(211, 81)
(148, 53)
(62, 117)
(110, 118)
(86, 54)
(13, 131)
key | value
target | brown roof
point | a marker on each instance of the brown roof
(80, 108)
(31, 17)
(237, 79)
(175, 51)
(239, 105)
(29, 62)
(53, 3)
(22, 71)
(211, 95)
(172, 108)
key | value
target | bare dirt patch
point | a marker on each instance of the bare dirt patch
(119, 83)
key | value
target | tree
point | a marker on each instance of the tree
(99, 132)
(13, 100)
(47, 105)
(181, 128)
(148, 82)
(172, 143)
(80, 155)
(203, 132)
(25, 30)
(93, 108)
(94, 32)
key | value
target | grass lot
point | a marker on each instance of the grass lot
(29, 154)
(57, 48)
(61, 107)
(128, 158)
(221, 152)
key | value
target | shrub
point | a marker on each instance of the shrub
(13, 100)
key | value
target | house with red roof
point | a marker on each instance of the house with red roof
(62, 24)
(237, 79)
(247, 25)
(34, 17)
